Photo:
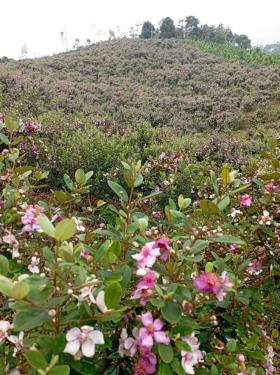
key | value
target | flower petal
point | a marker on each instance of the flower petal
(72, 347)
(88, 348)
(147, 318)
(96, 337)
(161, 338)
(73, 334)
(158, 324)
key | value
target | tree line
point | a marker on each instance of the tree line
(190, 27)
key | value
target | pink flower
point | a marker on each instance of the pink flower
(145, 285)
(147, 256)
(164, 245)
(30, 218)
(146, 364)
(210, 282)
(232, 247)
(148, 279)
(271, 187)
(152, 331)
(240, 357)
(128, 345)
(193, 357)
(84, 253)
(246, 200)
(83, 339)
(2, 117)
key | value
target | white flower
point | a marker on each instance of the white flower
(83, 339)
(191, 358)
(79, 224)
(100, 302)
(17, 341)
(14, 245)
(33, 266)
(4, 328)
(234, 212)
(128, 345)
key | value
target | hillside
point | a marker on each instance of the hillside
(120, 83)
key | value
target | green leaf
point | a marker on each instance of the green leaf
(46, 225)
(89, 175)
(177, 367)
(4, 139)
(208, 207)
(102, 250)
(166, 353)
(30, 318)
(199, 246)
(209, 267)
(224, 203)
(231, 345)
(60, 370)
(4, 265)
(113, 294)
(183, 346)
(214, 182)
(80, 177)
(6, 286)
(183, 202)
(11, 123)
(119, 190)
(164, 369)
(252, 342)
(65, 229)
(172, 312)
(227, 239)
(20, 290)
(36, 360)
(68, 181)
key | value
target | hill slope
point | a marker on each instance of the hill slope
(123, 82)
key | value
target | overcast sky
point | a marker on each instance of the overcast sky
(39, 23)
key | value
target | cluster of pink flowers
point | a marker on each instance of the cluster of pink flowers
(29, 127)
(246, 200)
(145, 261)
(213, 283)
(30, 218)
(2, 117)
(143, 341)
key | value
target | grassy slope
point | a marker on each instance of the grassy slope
(168, 83)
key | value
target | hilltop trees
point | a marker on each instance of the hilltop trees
(242, 41)
(189, 27)
(148, 30)
(167, 28)
(192, 27)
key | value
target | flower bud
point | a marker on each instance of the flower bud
(240, 358)
(187, 307)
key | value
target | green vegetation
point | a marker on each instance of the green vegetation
(140, 208)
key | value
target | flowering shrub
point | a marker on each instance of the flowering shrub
(192, 290)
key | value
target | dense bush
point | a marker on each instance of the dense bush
(190, 289)
(118, 84)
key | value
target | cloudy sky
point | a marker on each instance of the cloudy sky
(38, 24)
